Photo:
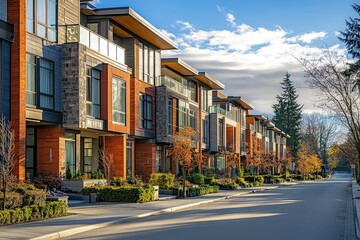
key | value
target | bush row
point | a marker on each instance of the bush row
(163, 180)
(23, 197)
(140, 194)
(196, 191)
(33, 212)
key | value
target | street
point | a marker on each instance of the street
(314, 210)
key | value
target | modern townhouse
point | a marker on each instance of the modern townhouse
(83, 79)
(255, 130)
(227, 128)
(183, 97)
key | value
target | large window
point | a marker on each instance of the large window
(70, 152)
(193, 119)
(183, 114)
(147, 63)
(39, 82)
(41, 18)
(191, 87)
(118, 100)
(145, 111)
(93, 93)
(204, 99)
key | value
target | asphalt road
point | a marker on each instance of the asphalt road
(319, 210)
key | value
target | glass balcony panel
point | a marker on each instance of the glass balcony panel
(84, 37)
(103, 46)
(94, 42)
(120, 55)
(112, 51)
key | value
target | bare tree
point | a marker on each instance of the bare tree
(107, 162)
(335, 90)
(7, 161)
(319, 132)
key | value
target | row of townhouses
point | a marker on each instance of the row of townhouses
(75, 79)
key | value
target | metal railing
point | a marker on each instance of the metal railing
(219, 110)
(172, 84)
(92, 40)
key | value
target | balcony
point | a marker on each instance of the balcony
(219, 110)
(80, 34)
(250, 127)
(172, 84)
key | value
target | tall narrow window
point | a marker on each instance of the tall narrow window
(151, 66)
(146, 64)
(204, 99)
(46, 77)
(193, 119)
(30, 16)
(205, 131)
(183, 114)
(93, 93)
(70, 152)
(39, 82)
(170, 116)
(87, 155)
(141, 61)
(30, 80)
(145, 111)
(118, 100)
(191, 88)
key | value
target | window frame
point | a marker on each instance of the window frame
(89, 91)
(120, 85)
(34, 22)
(145, 104)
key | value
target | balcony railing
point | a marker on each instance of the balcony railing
(92, 40)
(250, 127)
(172, 84)
(219, 110)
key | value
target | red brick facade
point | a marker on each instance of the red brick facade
(51, 150)
(116, 146)
(145, 155)
(17, 16)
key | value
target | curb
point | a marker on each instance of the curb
(356, 217)
(74, 231)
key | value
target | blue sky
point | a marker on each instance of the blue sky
(248, 44)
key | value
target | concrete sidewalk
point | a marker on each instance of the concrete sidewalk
(356, 202)
(90, 217)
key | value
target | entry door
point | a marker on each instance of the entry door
(30, 164)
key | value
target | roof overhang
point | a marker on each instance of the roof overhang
(209, 81)
(268, 123)
(259, 117)
(133, 22)
(239, 100)
(179, 66)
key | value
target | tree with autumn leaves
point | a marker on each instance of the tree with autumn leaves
(307, 163)
(183, 151)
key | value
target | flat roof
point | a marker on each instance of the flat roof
(179, 66)
(133, 22)
(259, 117)
(268, 123)
(239, 100)
(209, 81)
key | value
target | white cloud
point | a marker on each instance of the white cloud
(95, 2)
(231, 19)
(251, 62)
(184, 25)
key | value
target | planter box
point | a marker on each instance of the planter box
(78, 185)
(58, 199)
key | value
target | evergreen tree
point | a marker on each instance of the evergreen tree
(287, 114)
(351, 38)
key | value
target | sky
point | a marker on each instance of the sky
(248, 45)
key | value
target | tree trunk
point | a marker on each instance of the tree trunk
(4, 193)
(184, 182)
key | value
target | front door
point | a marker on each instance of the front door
(30, 164)
(129, 158)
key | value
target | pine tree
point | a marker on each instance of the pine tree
(287, 114)
(351, 38)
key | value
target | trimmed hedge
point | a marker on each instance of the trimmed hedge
(228, 186)
(140, 194)
(196, 178)
(13, 200)
(163, 180)
(258, 178)
(196, 191)
(33, 213)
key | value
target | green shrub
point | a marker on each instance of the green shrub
(209, 180)
(97, 174)
(279, 180)
(163, 180)
(31, 213)
(239, 180)
(228, 186)
(13, 200)
(196, 191)
(118, 182)
(27, 213)
(36, 197)
(258, 178)
(196, 178)
(68, 173)
(140, 194)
